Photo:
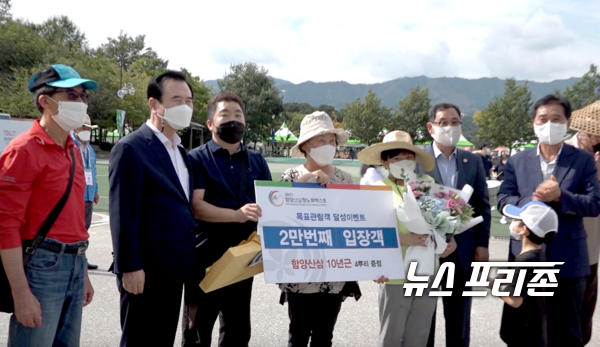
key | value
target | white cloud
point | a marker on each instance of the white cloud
(355, 41)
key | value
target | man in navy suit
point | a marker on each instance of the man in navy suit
(565, 178)
(151, 217)
(457, 168)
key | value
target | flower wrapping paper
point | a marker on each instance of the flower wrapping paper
(234, 265)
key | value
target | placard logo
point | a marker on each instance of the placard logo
(276, 198)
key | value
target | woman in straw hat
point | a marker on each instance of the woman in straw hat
(404, 320)
(314, 307)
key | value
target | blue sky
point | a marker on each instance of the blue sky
(354, 41)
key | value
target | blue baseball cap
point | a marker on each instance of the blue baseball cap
(537, 216)
(59, 76)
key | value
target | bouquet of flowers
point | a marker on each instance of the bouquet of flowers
(438, 211)
(445, 210)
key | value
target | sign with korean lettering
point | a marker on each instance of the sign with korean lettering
(313, 233)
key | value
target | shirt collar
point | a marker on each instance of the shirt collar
(214, 147)
(437, 152)
(557, 154)
(162, 137)
(42, 135)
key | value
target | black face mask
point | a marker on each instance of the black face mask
(231, 132)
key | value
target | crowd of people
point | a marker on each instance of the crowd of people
(173, 214)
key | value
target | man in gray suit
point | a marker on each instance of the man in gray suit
(457, 168)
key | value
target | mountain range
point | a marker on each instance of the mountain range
(469, 94)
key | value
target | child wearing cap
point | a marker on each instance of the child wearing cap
(524, 317)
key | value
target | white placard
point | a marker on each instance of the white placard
(9, 129)
(342, 233)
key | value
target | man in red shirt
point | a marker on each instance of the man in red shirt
(50, 291)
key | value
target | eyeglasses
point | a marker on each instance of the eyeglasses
(446, 124)
(73, 95)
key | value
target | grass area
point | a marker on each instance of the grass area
(277, 168)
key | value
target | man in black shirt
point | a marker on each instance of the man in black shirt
(524, 316)
(224, 172)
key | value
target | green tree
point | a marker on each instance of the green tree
(330, 110)
(295, 107)
(412, 114)
(469, 130)
(63, 36)
(366, 120)
(21, 47)
(262, 101)
(586, 90)
(506, 120)
(126, 50)
(202, 94)
(14, 96)
(295, 119)
(5, 10)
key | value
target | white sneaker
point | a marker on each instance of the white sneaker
(503, 220)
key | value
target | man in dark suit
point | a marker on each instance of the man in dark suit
(565, 178)
(151, 216)
(457, 168)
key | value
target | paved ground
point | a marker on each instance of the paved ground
(357, 325)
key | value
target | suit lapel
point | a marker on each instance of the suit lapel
(461, 163)
(435, 172)
(159, 150)
(533, 164)
(563, 164)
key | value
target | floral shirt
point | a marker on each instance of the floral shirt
(292, 175)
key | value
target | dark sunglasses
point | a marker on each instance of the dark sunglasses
(73, 95)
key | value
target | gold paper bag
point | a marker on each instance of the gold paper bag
(233, 266)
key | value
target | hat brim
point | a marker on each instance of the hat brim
(512, 211)
(90, 126)
(74, 82)
(341, 135)
(372, 154)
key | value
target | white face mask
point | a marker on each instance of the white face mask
(84, 135)
(551, 133)
(404, 170)
(323, 155)
(179, 117)
(447, 136)
(71, 114)
(514, 234)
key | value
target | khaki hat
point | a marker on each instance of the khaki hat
(316, 124)
(587, 119)
(396, 140)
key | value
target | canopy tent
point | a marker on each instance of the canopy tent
(463, 142)
(354, 142)
(284, 135)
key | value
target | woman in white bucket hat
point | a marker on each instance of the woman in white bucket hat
(318, 142)
(314, 307)
(404, 320)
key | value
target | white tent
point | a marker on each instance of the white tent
(285, 135)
